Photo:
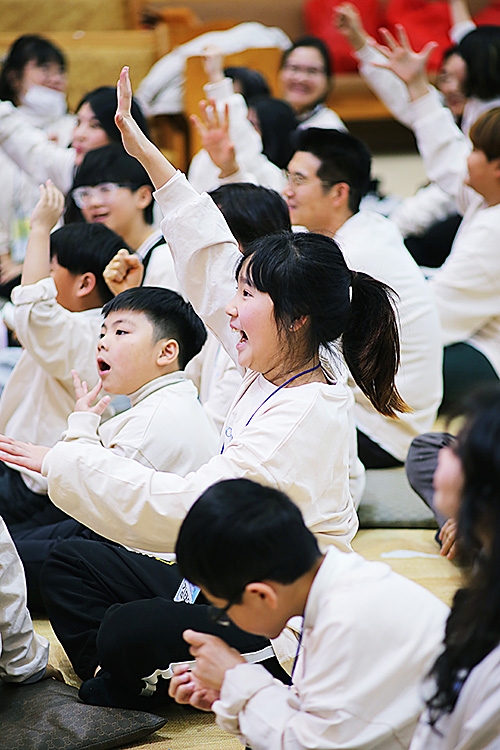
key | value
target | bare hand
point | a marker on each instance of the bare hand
(213, 59)
(84, 397)
(407, 64)
(132, 136)
(186, 688)
(49, 208)
(348, 21)
(25, 455)
(214, 132)
(448, 536)
(213, 658)
(124, 271)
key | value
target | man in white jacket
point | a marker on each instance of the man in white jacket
(327, 177)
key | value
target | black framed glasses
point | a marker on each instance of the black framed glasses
(219, 615)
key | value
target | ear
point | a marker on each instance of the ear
(168, 353)
(339, 194)
(262, 593)
(144, 196)
(496, 166)
(298, 323)
(86, 284)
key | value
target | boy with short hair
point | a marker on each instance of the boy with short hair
(112, 188)
(369, 635)
(57, 318)
(148, 336)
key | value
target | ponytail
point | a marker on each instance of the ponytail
(370, 343)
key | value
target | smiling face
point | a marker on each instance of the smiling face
(128, 357)
(88, 133)
(304, 81)
(121, 209)
(309, 203)
(259, 346)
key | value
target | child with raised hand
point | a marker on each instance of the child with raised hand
(56, 313)
(147, 338)
(288, 426)
(466, 289)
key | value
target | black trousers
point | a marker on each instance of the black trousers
(465, 369)
(19, 505)
(373, 456)
(34, 546)
(82, 580)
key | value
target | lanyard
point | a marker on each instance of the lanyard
(287, 382)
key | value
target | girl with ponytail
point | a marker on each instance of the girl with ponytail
(288, 426)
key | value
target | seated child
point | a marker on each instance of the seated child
(148, 336)
(57, 319)
(23, 653)
(369, 635)
(112, 188)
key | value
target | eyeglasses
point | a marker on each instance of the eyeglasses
(306, 71)
(104, 192)
(219, 615)
(298, 180)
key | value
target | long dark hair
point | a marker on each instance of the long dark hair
(480, 50)
(473, 627)
(305, 274)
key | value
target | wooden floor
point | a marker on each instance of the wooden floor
(412, 553)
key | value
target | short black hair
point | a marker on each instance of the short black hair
(343, 157)
(83, 248)
(111, 164)
(251, 211)
(169, 314)
(239, 531)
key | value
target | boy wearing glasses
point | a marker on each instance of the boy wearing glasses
(112, 188)
(368, 636)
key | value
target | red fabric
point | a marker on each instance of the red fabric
(424, 20)
(318, 20)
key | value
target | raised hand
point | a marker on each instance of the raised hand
(84, 397)
(214, 133)
(407, 64)
(134, 140)
(25, 455)
(124, 271)
(347, 20)
(49, 208)
(213, 59)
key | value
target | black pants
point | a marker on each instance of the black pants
(82, 579)
(372, 455)
(19, 505)
(465, 368)
(34, 546)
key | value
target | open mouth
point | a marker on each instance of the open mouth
(102, 366)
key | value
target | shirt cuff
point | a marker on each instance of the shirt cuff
(220, 91)
(82, 424)
(425, 105)
(42, 291)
